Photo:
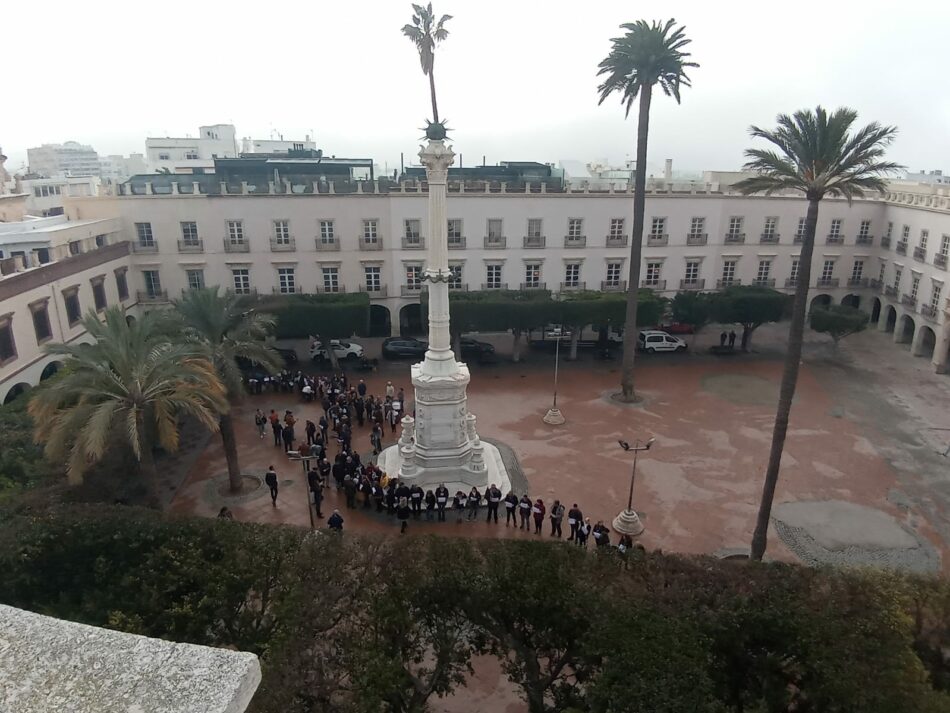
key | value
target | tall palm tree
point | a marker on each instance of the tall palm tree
(818, 155)
(425, 32)
(646, 56)
(227, 332)
(132, 381)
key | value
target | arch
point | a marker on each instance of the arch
(925, 343)
(411, 321)
(905, 330)
(876, 310)
(50, 369)
(380, 323)
(820, 301)
(129, 319)
(851, 301)
(890, 319)
(15, 392)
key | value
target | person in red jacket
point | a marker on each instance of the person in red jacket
(538, 511)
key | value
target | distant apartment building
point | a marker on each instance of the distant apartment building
(932, 177)
(118, 169)
(191, 154)
(278, 146)
(67, 159)
(45, 196)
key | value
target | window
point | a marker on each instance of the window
(924, 235)
(143, 231)
(121, 284)
(616, 227)
(241, 279)
(99, 294)
(327, 236)
(857, 270)
(914, 286)
(164, 157)
(532, 274)
(37, 192)
(455, 276)
(800, 230)
(153, 283)
(935, 291)
(692, 272)
(414, 276)
(613, 273)
(73, 308)
(793, 275)
(370, 231)
(236, 232)
(493, 277)
(371, 275)
(835, 230)
(897, 277)
(697, 226)
(331, 278)
(494, 229)
(454, 230)
(728, 272)
(945, 245)
(658, 227)
(890, 231)
(905, 233)
(286, 280)
(735, 225)
(653, 274)
(572, 274)
(195, 279)
(41, 326)
(865, 230)
(413, 231)
(575, 228)
(282, 232)
(880, 274)
(74, 249)
(771, 227)
(189, 233)
(534, 228)
(191, 155)
(827, 269)
(765, 269)
(7, 344)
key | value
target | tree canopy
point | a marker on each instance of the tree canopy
(838, 321)
(749, 306)
(332, 316)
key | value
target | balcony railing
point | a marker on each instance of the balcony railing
(920, 254)
(325, 289)
(153, 296)
(653, 284)
(885, 242)
(657, 240)
(928, 311)
(901, 248)
(908, 300)
(574, 285)
(326, 244)
(145, 247)
(834, 240)
(767, 282)
(940, 260)
(413, 243)
(613, 285)
(495, 242)
(696, 284)
(282, 245)
(769, 238)
(231, 246)
(616, 241)
(728, 282)
(697, 238)
(288, 290)
(575, 241)
(791, 282)
(874, 284)
(375, 292)
(890, 291)
(533, 286)
(456, 243)
(533, 241)
(371, 243)
(458, 287)
(798, 240)
(410, 290)
(191, 246)
(857, 282)
(864, 240)
(735, 238)
(826, 282)
(494, 285)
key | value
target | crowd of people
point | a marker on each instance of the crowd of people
(365, 486)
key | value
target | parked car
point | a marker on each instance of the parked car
(399, 347)
(675, 328)
(342, 349)
(474, 348)
(654, 340)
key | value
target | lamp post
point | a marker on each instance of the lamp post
(628, 522)
(554, 417)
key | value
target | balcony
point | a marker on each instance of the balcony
(374, 243)
(153, 296)
(616, 241)
(928, 311)
(874, 284)
(573, 286)
(767, 282)
(331, 289)
(413, 242)
(494, 285)
(655, 240)
(857, 282)
(410, 290)
(865, 240)
(288, 290)
(826, 282)
(769, 238)
(145, 247)
(653, 284)
(728, 282)
(791, 282)
(458, 287)
(798, 239)
(886, 243)
(890, 291)
(326, 244)
(283, 245)
(533, 241)
(697, 238)
(191, 246)
(940, 260)
(376, 292)
(495, 242)
(457, 242)
(901, 248)
(613, 286)
(920, 254)
(236, 247)
(834, 240)
(533, 286)
(735, 238)
(908, 300)
(696, 284)
(575, 241)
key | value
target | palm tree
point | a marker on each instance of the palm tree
(426, 33)
(226, 332)
(646, 56)
(132, 381)
(818, 155)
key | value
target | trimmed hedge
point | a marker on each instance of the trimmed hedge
(332, 316)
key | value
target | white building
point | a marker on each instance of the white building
(931, 177)
(598, 175)
(118, 169)
(69, 159)
(271, 146)
(191, 154)
(45, 196)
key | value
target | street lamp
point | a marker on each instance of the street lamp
(554, 417)
(628, 522)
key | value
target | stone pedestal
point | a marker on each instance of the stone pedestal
(628, 523)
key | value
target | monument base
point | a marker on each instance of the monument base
(455, 478)
(628, 523)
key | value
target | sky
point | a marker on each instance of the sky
(515, 79)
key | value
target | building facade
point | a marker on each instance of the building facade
(68, 159)
(45, 196)
(191, 154)
(118, 169)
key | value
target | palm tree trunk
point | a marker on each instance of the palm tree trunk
(147, 465)
(627, 393)
(226, 426)
(435, 106)
(793, 357)
(516, 345)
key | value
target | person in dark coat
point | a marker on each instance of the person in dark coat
(416, 494)
(391, 498)
(583, 531)
(288, 435)
(311, 429)
(575, 518)
(458, 504)
(316, 487)
(430, 505)
(732, 339)
(511, 509)
(538, 510)
(361, 388)
(474, 499)
(336, 521)
(379, 496)
(339, 472)
(350, 485)
(441, 500)
(722, 339)
(557, 515)
(493, 498)
(270, 478)
(276, 428)
(524, 511)
(376, 438)
(402, 513)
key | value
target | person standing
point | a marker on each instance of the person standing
(583, 530)
(316, 487)
(402, 513)
(732, 339)
(575, 519)
(390, 390)
(394, 419)
(361, 389)
(260, 420)
(360, 407)
(601, 535)
(458, 504)
(311, 429)
(276, 428)
(538, 511)
(524, 510)
(722, 339)
(493, 498)
(511, 509)
(287, 433)
(270, 478)
(376, 438)
(349, 489)
(441, 499)
(557, 515)
(474, 498)
(336, 521)
(416, 494)
(430, 505)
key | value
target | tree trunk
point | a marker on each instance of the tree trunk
(793, 357)
(627, 393)
(516, 346)
(226, 425)
(575, 338)
(746, 337)
(147, 466)
(435, 106)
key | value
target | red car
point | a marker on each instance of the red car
(675, 328)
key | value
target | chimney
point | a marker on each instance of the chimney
(668, 170)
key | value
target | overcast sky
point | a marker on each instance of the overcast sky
(516, 79)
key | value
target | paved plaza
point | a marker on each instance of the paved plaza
(863, 476)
